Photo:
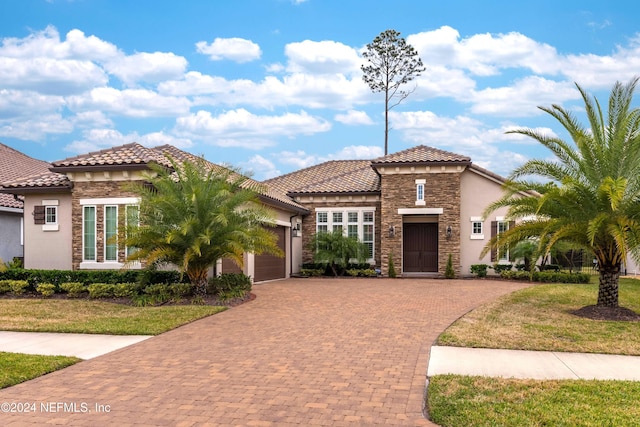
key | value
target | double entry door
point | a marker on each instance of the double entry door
(420, 247)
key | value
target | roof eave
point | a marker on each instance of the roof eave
(101, 168)
(35, 189)
(428, 163)
(333, 193)
(287, 206)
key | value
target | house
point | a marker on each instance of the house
(75, 206)
(416, 206)
(13, 165)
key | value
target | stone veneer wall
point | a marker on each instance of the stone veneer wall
(442, 190)
(309, 223)
(91, 190)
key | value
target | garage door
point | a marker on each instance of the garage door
(229, 266)
(420, 247)
(270, 267)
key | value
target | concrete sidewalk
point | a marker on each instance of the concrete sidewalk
(540, 365)
(84, 346)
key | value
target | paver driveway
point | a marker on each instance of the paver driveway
(305, 352)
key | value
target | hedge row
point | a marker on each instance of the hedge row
(546, 276)
(87, 277)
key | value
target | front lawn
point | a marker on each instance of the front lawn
(539, 318)
(96, 317)
(479, 401)
(16, 368)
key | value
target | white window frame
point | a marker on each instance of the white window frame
(53, 206)
(345, 223)
(420, 187)
(475, 235)
(107, 237)
(95, 233)
(128, 250)
(505, 227)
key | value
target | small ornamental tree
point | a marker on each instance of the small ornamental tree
(336, 250)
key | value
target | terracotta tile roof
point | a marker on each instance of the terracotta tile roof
(421, 154)
(335, 176)
(132, 154)
(15, 165)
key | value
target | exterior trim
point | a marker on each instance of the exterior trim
(111, 201)
(420, 211)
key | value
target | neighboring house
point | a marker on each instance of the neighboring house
(14, 165)
(416, 206)
(85, 196)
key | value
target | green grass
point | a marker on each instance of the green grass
(16, 368)
(479, 401)
(539, 318)
(95, 317)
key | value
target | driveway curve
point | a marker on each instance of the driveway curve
(327, 352)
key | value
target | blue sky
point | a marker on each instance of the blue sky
(272, 86)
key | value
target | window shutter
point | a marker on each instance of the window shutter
(494, 233)
(512, 224)
(38, 214)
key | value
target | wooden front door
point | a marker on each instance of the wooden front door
(420, 248)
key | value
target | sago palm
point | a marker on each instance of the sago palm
(591, 197)
(197, 213)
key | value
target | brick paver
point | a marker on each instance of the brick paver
(305, 352)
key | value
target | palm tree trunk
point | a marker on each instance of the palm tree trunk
(608, 288)
(199, 280)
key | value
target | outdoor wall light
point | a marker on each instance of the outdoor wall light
(392, 231)
(449, 231)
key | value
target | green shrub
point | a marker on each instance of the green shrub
(392, 268)
(46, 289)
(125, 290)
(353, 272)
(229, 286)
(546, 276)
(101, 290)
(87, 277)
(499, 268)
(548, 267)
(449, 272)
(73, 289)
(5, 286)
(180, 289)
(311, 272)
(480, 270)
(18, 287)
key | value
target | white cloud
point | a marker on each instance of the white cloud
(357, 152)
(260, 168)
(35, 129)
(353, 117)
(300, 159)
(196, 83)
(232, 127)
(147, 67)
(50, 76)
(235, 49)
(129, 102)
(98, 139)
(523, 97)
(324, 57)
(27, 104)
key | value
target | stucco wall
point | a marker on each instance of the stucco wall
(49, 250)
(477, 192)
(10, 242)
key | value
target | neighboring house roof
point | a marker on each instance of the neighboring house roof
(15, 165)
(129, 156)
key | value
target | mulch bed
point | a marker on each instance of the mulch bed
(618, 314)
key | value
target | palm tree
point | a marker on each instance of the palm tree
(592, 198)
(195, 214)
